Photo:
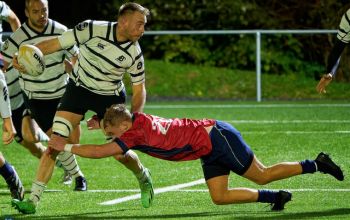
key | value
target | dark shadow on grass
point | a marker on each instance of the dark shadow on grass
(235, 215)
(300, 215)
(92, 215)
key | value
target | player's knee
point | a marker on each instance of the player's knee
(62, 126)
(218, 199)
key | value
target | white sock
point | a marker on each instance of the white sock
(70, 164)
(36, 192)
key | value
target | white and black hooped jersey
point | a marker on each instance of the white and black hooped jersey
(344, 28)
(4, 14)
(14, 89)
(51, 84)
(102, 61)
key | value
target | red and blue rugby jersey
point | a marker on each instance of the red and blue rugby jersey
(168, 139)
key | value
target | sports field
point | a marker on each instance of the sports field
(281, 131)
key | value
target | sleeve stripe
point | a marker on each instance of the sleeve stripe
(91, 29)
(122, 145)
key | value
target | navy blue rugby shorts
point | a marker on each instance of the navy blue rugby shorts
(229, 153)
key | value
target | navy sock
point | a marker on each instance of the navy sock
(6, 171)
(267, 196)
(309, 166)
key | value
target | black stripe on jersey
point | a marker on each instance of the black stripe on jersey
(92, 89)
(15, 95)
(2, 7)
(55, 63)
(53, 27)
(25, 32)
(95, 78)
(129, 45)
(114, 32)
(108, 29)
(91, 29)
(49, 92)
(99, 70)
(347, 18)
(45, 81)
(5, 55)
(139, 81)
(75, 36)
(42, 35)
(13, 42)
(14, 81)
(102, 57)
(138, 56)
(137, 74)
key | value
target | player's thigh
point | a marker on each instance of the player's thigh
(30, 129)
(256, 170)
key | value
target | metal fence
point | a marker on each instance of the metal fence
(257, 34)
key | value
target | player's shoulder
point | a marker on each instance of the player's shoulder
(58, 27)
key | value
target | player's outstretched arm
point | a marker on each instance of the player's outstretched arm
(49, 46)
(87, 150)
(323, 83)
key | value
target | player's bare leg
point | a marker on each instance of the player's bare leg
(131, 161)
(260, 174)
(222, 195)
(47, 163)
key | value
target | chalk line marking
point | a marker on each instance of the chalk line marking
(156, 191)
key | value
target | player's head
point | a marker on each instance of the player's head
(132, 19)
(117, 120)
(37, 12)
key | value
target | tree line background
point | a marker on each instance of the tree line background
(281, 54)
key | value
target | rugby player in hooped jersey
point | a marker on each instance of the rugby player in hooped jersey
(219, 145)
(107, 50)
(43, 93)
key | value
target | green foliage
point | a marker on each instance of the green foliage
(184, 81)
(302, 54)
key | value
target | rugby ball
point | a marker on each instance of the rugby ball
(32, 59)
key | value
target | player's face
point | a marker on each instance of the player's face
(115, 130)
(38, 14)
(135, 26)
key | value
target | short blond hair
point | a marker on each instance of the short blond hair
(131, 7)
(116, 114)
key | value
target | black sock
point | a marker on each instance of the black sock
(309, 166)
(267, 196)
(6, 171)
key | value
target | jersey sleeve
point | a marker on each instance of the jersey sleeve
(5, 107)
(137, 70)
(344, 28)
(4, 11)
(121, 144)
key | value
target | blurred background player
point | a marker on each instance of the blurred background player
(107, 50)
(218, 144)
(7, 171)
(343, 39)
(42, 94)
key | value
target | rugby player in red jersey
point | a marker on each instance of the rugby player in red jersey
(218, 144)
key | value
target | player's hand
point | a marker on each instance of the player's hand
(93, 123)
(324, 81)
(8, 131)
(68, 66)
(16, 65)
(57, 142)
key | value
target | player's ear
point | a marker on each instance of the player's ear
(124, 126)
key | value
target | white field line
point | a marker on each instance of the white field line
(287, 121)
(183, 190)
(295, 132)
(156, 191)
(150, 106)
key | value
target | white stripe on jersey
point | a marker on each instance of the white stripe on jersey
(51, 84)
(102, 60)
(344, 28)
(15, 91)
